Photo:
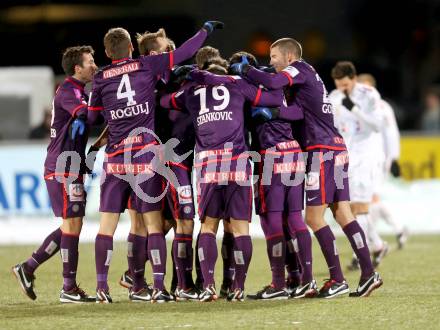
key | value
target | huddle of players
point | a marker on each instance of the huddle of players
(208, 108)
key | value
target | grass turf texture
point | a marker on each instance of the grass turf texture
(409, 298)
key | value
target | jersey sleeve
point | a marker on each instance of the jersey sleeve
(291, 112)
(260, 97)
(158, 64)
(207, 78)
(174, 100)
(95, 104)
(73, 102)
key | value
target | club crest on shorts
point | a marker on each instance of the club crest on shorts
(76, 192)
(185, 194)
(312, 182)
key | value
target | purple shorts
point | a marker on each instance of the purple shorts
(135, 184)
(225, 194)
(284, 191)
(327, 177)
(68, 199)
(180, 199)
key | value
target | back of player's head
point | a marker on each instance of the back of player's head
(236, 57)
(288, 45)
(117, 43)
(367, 78)
(172, 45)
(73, 56)
(205, 55)
(147, 41)
(217, 65)
(344, 69)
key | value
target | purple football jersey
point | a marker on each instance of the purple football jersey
(69, 102)
(125, 93)
(305, 88)
(217, 113)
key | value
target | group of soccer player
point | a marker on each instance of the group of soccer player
(228, 113)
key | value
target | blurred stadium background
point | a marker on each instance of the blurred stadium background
(399, 46)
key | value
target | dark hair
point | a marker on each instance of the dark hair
(288, 45)
(236, 57)
(117, 42)
(343, 69)
(73, 56)
(147, 41)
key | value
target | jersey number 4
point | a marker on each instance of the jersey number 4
(129, 93)
(219, 93)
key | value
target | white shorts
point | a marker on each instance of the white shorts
(361, 174)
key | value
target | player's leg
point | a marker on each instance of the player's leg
(183, 258)
(379, 210)
(293, 267)
(207, 251)
(370, 279)
(336, 285)
(376, 245)
(157, 253)
(227, 256)
(71, 293)
(103, 254)
(238, 208)
(302, 244)
(272, 222)
(24, 272)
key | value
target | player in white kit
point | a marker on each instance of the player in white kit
(389, 139)
(359, 120)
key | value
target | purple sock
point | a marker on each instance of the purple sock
(356, 236)
(292, 264)
(69, 256)
(137, 253)
(227, 256)
(242, 258)
(275, 245)
(103, 257)
(208, 254)
(302, 242)
(50, 246)
(327, 241)
(199, 274)
(189, 268)
(181, 253)
(157, 252)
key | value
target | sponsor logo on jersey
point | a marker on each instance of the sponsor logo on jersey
(289, 167)
(212, 177)
(117, 168)
(129, 140)
(116, 71)
(208, 153)
(287, 145)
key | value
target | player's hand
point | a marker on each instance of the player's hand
(268, 69)
(395, 169)
(240, 68)
(78, 126)
(262, 115)
(347, 102)
(210, 26)
(181, 73)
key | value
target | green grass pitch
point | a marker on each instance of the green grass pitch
(409, 298)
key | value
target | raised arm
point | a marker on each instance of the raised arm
(207, 78)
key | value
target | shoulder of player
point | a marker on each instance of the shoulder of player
(335, 94)
(368, 90)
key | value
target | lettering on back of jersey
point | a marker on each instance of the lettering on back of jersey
(116, 71)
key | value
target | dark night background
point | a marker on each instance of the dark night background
(397, 41)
